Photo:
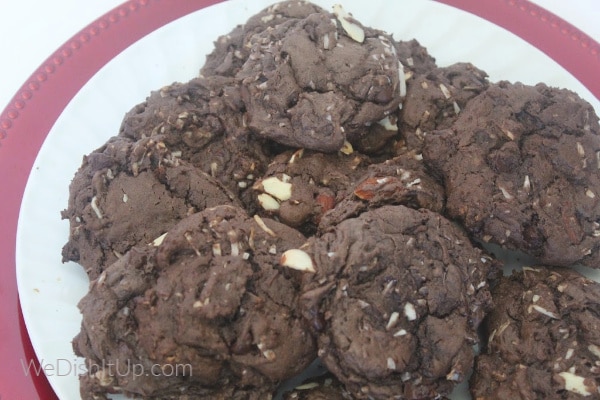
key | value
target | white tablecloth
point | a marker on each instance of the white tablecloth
(31, 30)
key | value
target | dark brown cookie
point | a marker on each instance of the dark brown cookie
(543, 338)
(94, 387)
(202, 120)
(414, 57)
(299, 187)
(232, 50)
(434, 100)
(396, 298)
(236, 162)
(317, 82)
(520, 168)
(209, 296)
(402, 180)
(189, 115)
(325, 387)
(128, 193)
(380, 138)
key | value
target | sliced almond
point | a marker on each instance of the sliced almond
(402, 79)
(259, 221)
(347, 148)
(388, 125)
(95, 208)
(267, 202)
(576, 384)
(296, 156)
(277, 188)
(307, 386)
(545, 312)
(595, 350)
(410, 312)
(297, 259)
(391, 364)
(158, 241)
(353, 30)
(445, 91)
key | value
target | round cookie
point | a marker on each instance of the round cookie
(520, 168)
(300, 186)
(402, 180)
(232, 50)
(236, 162)
(209, 298)
(325, 387)
(202, 120)
(317, 82)
(93, 388)
(189, 115)
(380, 138)
(128, 193)
(396, 299)
(435, 98)
(543, 338)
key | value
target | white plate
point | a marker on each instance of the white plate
(49, 290)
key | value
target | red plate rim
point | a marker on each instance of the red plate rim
(36, 106)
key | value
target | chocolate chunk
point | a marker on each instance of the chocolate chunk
(236, 162)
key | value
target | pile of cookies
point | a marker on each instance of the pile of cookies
(325, 191)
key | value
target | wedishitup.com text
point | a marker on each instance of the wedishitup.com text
(75, 367)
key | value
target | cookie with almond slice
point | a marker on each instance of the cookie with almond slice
(543, 338)
(232, 49)
(520, 170)
(321, 81)
(395, 301)
(402, 180)
(209, 300)
(127, 193)
(299, 187)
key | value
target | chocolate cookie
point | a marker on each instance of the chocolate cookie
(415, 58)
(209, 296)
(520, 169)
(189, 115)
(236, 162)
(94, 387)
(543, 338)
(396, 298)
(379, 138)
(317, 82)
(325, 387)
(232, 50)
(402, 180)
(202, 120)
(128, 193)
(435, 98)
(299, 187)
